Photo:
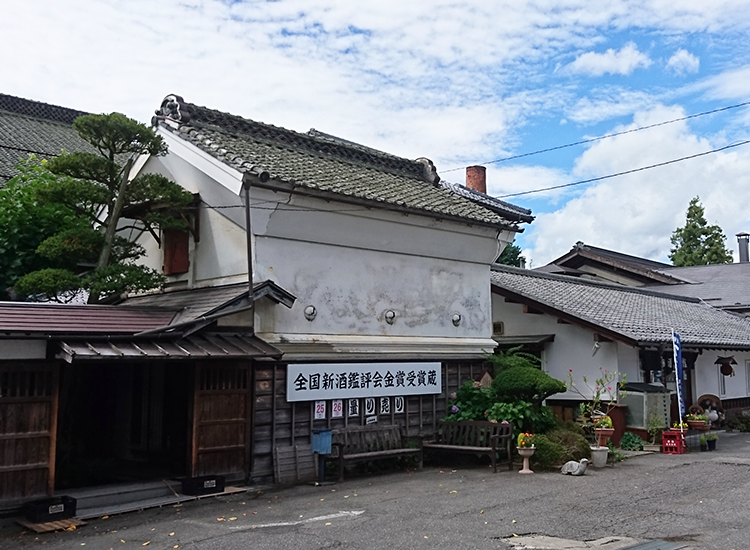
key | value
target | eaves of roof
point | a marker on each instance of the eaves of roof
(332, 166)
(632, 315)
(22, 319)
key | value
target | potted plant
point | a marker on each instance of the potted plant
(711, 440)
(696, 421)
(680, 426)
(655, 427)
(525, 447)
(596, 409)
(703, 443)
(603, 428)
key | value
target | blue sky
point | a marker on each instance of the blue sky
(459, 82)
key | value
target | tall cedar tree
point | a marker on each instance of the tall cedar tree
(698, 243)
(92, 257)
(511, 255)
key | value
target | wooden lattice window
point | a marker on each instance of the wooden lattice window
(223, 378)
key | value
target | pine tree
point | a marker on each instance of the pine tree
(90, 256)
(698, 243)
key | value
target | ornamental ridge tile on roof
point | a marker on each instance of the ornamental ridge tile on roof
(329, 164)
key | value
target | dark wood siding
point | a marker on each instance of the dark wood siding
(220, 442)
(278, 423)
(28, 428)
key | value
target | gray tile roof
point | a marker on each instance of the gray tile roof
(28, 127)
(637, 315)
(325, 163)
(725, 286)
(194, 304)
(191, 304)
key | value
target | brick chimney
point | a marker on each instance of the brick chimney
(476, 178)
(742, 242)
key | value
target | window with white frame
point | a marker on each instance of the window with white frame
(722, 382)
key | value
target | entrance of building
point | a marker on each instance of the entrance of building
(122, 422)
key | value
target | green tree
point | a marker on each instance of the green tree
(91, 256)
(698, 243)
(26, 222)
(511, 255)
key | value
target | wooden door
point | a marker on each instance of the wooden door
(221, 419)
(28, 429)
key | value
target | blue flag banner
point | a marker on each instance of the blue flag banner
(677, 352)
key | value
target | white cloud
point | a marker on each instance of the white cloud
(637, 213)
(623, 61)
(608, 103)
(462, 82)
(683, 62)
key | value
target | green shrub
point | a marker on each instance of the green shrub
(547, 454)
(631, 442)
(470, 403)
(740, 423)
(527, 384)
(523, 416)
(513, 357)
(573, 444)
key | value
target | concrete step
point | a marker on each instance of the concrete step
(107, 500)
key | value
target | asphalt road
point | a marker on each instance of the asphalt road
(700, 499)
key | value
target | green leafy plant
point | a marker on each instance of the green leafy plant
(655, 428)
(527, 384)
(712, 437)
(572, 442)
(547, 454)
(603, 422)
(525, 440)
(470, 402)
(696, 417)
(513, 357)
(614, 455)
(631, 442)
(604, 392)
(702, 440)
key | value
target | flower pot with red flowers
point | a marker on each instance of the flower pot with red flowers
(525, 447)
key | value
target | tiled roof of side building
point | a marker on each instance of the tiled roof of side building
(31, 127)
(641, 316)
(21, 318)
(721, 285)
(321, 162)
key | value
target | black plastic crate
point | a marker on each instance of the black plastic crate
(203, 485)
(50, 509)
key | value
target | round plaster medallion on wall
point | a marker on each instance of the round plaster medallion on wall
(456, 319)
(390, 316)
(310, 313)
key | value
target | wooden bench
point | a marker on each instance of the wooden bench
(478, 437)
(371, 442)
